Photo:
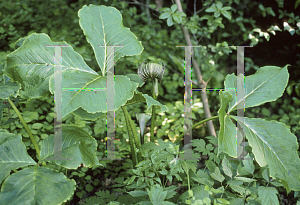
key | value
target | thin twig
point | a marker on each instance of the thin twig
(199, 11)
(201, 37)
(201, 82)
(136, 2)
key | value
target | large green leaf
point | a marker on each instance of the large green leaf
(13, 154)
(227, 133)
(37, 185)
(77, 145)
(266, 85)
(32, 64)
(92, 101)
(103, 27)
(267, 195)
(88, 116)
(274, 145)
(136, 78)
(94, 116)
(9, 89)
(140, 97)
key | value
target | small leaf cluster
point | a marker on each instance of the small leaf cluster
(218, 9)
(157, 163)
(171, 14)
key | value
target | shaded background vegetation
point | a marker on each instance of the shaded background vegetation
(250, 21)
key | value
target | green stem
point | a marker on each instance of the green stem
(188, 177)
(152, 124)
(155, 88)
(1, 115)
(37, 149)
(199, 123)
(142, 138)
(153, 118)
(136, 139)
(131, 140)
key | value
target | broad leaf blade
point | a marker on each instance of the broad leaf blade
(88, 116)
(103, 27)
(77, 145)
(140, 97)
(37, 185)
(227, 133)
(92, 101)
(13, 154)
(33, 64)
(267, 195)
(151, 102)
(227, 168)
(94, 116)
(266, 85)
(274, 145)
(137, 97)
(136, 78)
(9, 89)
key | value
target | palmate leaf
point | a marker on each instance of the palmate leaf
(103, 27)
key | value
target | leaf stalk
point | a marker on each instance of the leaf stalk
(193, 127)
(37, 149)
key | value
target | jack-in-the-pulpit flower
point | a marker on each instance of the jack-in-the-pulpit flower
(142, 119)
(154, 71)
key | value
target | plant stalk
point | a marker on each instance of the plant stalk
(152, 124)
(153, 117)
(37, 149)
(142, 138)
(193, 127)
(136, 139)
(201, 82)
(131, 140)
(155, 88)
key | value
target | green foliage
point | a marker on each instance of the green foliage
(103, 197)
(218, 9)
(83, 146)
(152, 181)
(171, 14)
